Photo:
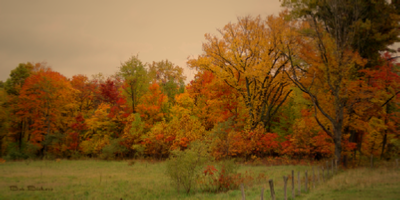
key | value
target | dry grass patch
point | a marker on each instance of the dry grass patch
(361, 183)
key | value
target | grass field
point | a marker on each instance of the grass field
(91, 179)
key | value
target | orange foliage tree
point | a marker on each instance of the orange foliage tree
(152, 107)
(215, 101)
(46, 100)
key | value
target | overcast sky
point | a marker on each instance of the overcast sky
(89, 37)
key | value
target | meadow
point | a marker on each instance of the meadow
(144, 179)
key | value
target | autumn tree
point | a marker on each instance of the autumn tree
(169, 76)
(100, 131)
(365, 26)
(328, 61)
(248, 59)
(322, 68)
(45, 101)
(12, 87)
(165, 70)
(152, 108)
(86, 92)
(4, 120)
(384, 81)
(136, 80)
(214, 101)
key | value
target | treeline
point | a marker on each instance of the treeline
(312, 82)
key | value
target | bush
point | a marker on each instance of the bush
(27, 150)
(110, 151)
(222, 178)
(184, 167)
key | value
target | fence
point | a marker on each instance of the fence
(328, 170)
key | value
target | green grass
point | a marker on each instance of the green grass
(91, 179)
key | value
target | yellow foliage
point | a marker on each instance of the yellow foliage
(248, 58)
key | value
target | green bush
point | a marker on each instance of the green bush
(110, 151)
(184, 167)
(26, 151)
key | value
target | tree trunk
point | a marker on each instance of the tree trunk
(21, 135)
(338, 142)
(384, 144)
(385, 136)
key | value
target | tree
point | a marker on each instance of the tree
(17, 78)
(328, 58)
(4, 119)
(136, 80)
(85, 95)
(214, 101)
(248, 59)
(164, 71)
(46, 102)
(169, 76)
(322, 67)
(13, 86)
(385, 82)
(365, 26)
(101, 131)
(152, 108)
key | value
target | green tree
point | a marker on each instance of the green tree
(17, 78)
(136, 80)
(170, 78)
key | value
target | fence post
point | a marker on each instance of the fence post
(333, 169)
(313, 178)
(299, 182)
(397, 163)
(306, 183)
(293, 185)
(323, 174)
(271, 186)
(285, 178)
(242, 188)
(262, 193)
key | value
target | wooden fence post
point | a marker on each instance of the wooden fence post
(313, 178)
(323, 174)
(397, 163)
(285, 178)
(306, 185)
(262, 193)
(299, 182)
(293, 185)
(333, 169)
(271, 186)
(242, 188)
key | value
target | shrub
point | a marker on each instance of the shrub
(110, 151)
(184, 167)
(222, 178)
(28, 150)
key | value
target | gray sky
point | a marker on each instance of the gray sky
(89, 37)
